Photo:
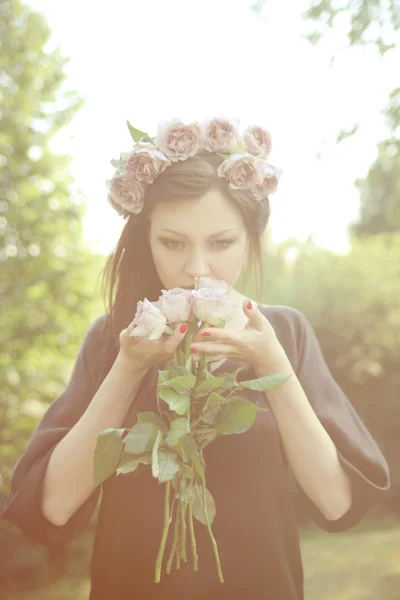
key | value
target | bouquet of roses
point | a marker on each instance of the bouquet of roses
(194, 408)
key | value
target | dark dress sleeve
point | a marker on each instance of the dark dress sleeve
(23, 505)
(357, 451)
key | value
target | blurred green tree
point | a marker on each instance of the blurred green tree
(48, 273)
(380, 190)
(377, 23)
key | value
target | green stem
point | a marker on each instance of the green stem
(164, 533)
(175, 540)
(192, 538)
(183, 532)
(214, 543)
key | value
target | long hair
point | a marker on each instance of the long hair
(130, 274)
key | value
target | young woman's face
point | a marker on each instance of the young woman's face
(200, 238)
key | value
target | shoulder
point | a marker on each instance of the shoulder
(284, 317)
(291, 326)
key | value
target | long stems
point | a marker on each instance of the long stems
(214, 543)
(183, 532)
(175, 540)
(192, 538)
(164, 533)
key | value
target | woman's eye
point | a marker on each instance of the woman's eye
(221, 244)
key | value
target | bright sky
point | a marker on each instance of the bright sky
(152, 60)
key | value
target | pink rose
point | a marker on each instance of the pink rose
(240, 170)
(149, 320)
(178, 141)
(213, 306)
(220, 135)
(176, 304)
(267, 180)
(126, 192)
(145, 162)
(258, 140)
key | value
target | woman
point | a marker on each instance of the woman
(197, 202)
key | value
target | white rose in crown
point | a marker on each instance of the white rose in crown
(126, 193)
(221, 135)
(258, 140)
(145, 162)
(177, 140)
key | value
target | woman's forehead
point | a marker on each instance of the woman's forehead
(212, 211)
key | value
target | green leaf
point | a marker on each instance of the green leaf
(138, 135)
(107, 454)
(210, 384)
(130, 462)
(168, 329)
(179, 428)
(182, 383)
(264, 384)
(189, 446)
(141, 438)
(198, 505)
(155, 467)
(212, 408)
(152, 417)
(168, 466)
(200, 466)
(176, 402)
(236, 417)
(205, 436)
(230, 379)
(242, 399)
(118, 164)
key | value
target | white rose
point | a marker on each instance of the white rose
(213, 306)
(149, 320)
(176, 304)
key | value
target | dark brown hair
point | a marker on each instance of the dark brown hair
(130, 274)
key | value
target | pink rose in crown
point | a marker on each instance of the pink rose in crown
(258, 140)
(126, 192)
(240, 170)
(267, 181)
(220, 135)
(145, 162)
(177, 140)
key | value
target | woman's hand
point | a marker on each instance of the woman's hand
(256, 345)
(143, 353)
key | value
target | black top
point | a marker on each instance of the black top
(255, 525)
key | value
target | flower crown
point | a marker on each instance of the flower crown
(245, 165)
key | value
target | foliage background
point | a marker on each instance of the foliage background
(49, 295)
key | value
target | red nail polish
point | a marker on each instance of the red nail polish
(205, 333)
(249, 305)
(193, 349)
(183, 328)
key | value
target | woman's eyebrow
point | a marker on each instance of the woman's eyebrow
(210, 236)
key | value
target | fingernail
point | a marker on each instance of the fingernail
(183, 328)
(205, 333)
(249, 305)
(193, 349)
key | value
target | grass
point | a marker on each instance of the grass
(360, 564)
